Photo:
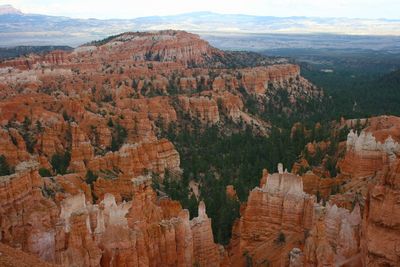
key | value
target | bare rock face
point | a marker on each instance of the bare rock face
(335, 238)
(174, 46)
(141, 232)
(11, 257)
(373, 148)
(256, 80)
(202, 108)
(27, 218)
(206, 252)
(155, 156)
(296, 258)
(74, 232)
(14, 153)
(108, 104)
(273, 221)
(282, 225)
(313, 184)
(232, 105)
(53, 57)
(154, 108)
(381, 237)
(82, 150)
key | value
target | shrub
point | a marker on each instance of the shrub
(60, 162)
(281, 238)
(90, 177)
(118, 137)
(4, 167)
(44, 172)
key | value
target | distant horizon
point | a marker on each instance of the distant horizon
(346, 9)
(61, 29)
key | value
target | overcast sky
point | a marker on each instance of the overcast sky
(138, 8)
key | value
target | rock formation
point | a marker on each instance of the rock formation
(273, 222)
(11, 257)
(282, 225)
(206, 253)
(27, 218)
(144, 231)
(109, 105)
(373, 148)
(335, 238)
(201, 108)
(314, 184)
(381, 237)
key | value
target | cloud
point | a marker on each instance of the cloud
(136, 8)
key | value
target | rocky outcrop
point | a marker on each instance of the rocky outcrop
(74, 232)
(314, 184)
(11, 257)
(27, 218)
(335, 238)
(373, 148)
(108, 104)
(273, 222)
(282, 225)
(381, 236)
(232, 106)
(54, 57)
(296, 258)
(154, 108)
(256, 80)
(206, 252)
(201, 108)
(81, 151)
(133, 159)
(141, 232)
(174, 46)
(12, 147)
(364, 150)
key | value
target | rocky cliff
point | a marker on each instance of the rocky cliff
(281, 225)
(84, 134)
(73, 232)
(381, 237)
(273, 221)
(373, 148)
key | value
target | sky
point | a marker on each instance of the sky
(100, 9)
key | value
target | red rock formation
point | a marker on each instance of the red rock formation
(205, 250)
(55, 57)
(381, 236)
(335, 238)
(232, 106)
(141, 232)
(281, 225)
(325, 186)
(373, 148)
(202, 108)
(27, 219)
(154, 108)
(74, 100)
(145, 231)
(82, 150)
(155, 156)
(11, 257)
(280, 208)
(256, 80)
(14, 153)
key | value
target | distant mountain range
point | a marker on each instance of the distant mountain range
(17, 28)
